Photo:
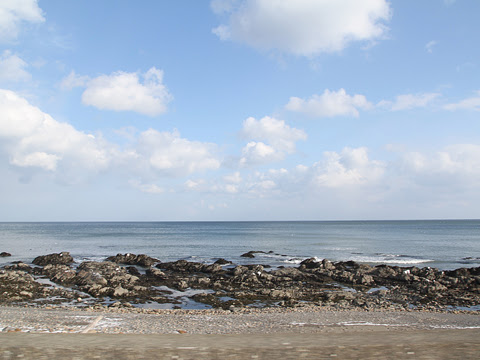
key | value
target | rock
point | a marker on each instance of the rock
(222, 262)
(132, 259)
(182, 285)
(290, 272)
(19, 266)
(154, 272)
(26, 294)
(311, 263)
(61, 274)
(327, 265)
(132, 270)
(5, 254)
(213, 268)
(365, 280)
(54, 259)
(120, 291)
(249, 254)
(239, 270)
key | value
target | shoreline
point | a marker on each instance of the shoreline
(140, 283)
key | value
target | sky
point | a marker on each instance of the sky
(237, 110)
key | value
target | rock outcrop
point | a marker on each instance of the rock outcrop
(344, 284)
(63, 258)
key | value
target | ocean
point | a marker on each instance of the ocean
(444, 244)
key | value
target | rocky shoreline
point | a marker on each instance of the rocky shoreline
(139, 282)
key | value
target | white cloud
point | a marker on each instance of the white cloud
(73, 80)
(471, 103)
(13, 13)
(275, 132)
(330, 104)
(12, 68)
(34, 139)
(350, 167)
(409, 101)
(259, 153)
(168, 154)
(147, 188)
(272, 139)
(302, 27)
(429, 46)
(123, 91)
(454, 163)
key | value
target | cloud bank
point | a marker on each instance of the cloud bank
(34, 140)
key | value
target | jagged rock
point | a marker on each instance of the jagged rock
(213, 268)
(19, 266)
(184, 266)
(26, 294)
(311, 263)
(222, 262)
(327, 265)
(61, 274)
(154, 272)
(291, 273)
(132, 270)
(313, 281)
(132, 259)
(5, 254)
(239, 270)
(251, 254)
(182, 285)
(120, 291)
(53, 259)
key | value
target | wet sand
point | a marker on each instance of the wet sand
(309, 333)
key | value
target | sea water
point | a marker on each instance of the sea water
(444, 244)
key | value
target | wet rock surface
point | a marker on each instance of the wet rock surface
(141, 281)
(54, 259)
(132, 259)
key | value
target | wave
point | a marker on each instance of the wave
(391, 259)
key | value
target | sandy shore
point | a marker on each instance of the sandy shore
(310, 333)
(297, 320)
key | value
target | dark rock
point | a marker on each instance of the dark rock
(157, 273)
(347, 265)
(311, 263)
(222, 262)
(132, 270)
(132, 259)
(61, 274)
(5, 254)
(18, 265)
(105, 279)
(249, 254)
(62, 258)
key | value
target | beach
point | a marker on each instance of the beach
(307, 332)
(221, 302)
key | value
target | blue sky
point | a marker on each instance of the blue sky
(239, 110)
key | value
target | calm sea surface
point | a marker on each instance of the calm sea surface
(445, 244)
